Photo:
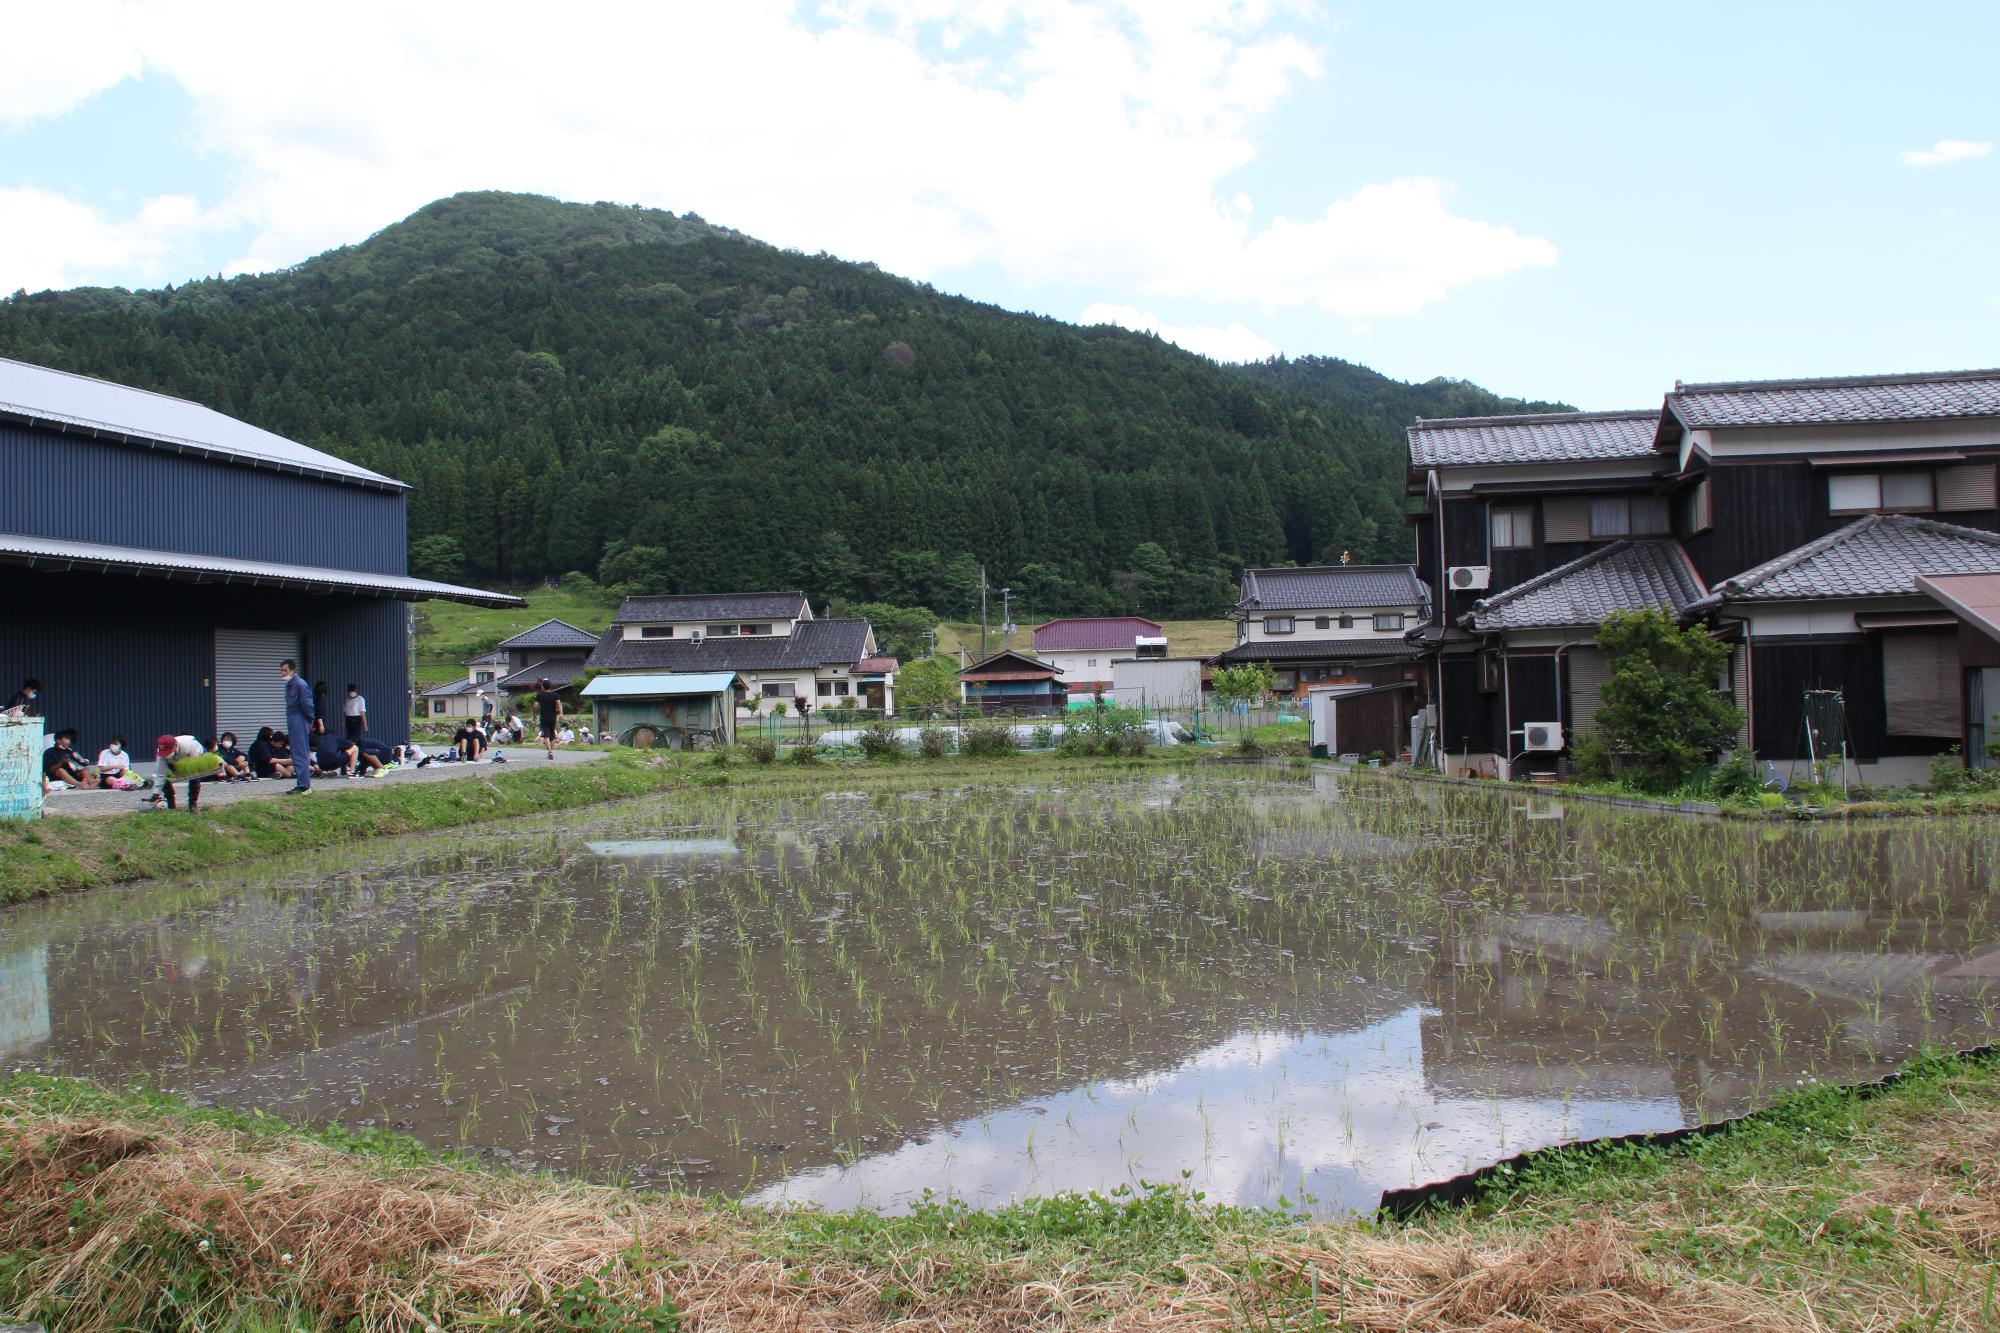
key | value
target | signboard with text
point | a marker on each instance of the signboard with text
(20, 768)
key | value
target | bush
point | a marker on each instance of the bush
(761, 749)
(987, 742)
(1134, 742)
(1589, 757)
(934, 742)
(805, 752)
(1662, 706)
(1735, 778)
(1248, 745)
(1950, 776)
(1045, 736)
(880, 742)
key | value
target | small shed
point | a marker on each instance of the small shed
(1360, 719)
(1012, 682)
(667, 710)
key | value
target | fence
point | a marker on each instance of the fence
(1197, 723)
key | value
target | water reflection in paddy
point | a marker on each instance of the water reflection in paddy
(1281, 986)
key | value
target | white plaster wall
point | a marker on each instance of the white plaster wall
(1252, 630)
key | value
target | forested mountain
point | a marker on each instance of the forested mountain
(675, 406)
(1391, 403)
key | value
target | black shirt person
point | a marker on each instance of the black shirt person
(548, 702)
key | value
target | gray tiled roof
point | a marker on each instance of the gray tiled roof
(60, 399)
(1624, 576)
(1879, 555)
(552, 634)
(1325, 587)
(1546, 437)
(1866, 398)
(559, 674)
(1318, 650)
(811, 644)
(712, 606)
(457, 687)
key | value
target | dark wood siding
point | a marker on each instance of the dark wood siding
(1781, 673)
(1766, 508)
(1471, 718)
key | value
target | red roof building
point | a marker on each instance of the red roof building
(1104, 633)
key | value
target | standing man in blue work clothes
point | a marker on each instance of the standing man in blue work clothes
(299, 713)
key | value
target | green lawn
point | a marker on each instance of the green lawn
(450, 632)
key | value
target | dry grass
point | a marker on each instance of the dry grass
(118, 1210)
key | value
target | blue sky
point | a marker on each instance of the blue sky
(1563, 201)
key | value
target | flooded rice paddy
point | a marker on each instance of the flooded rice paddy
(1281, 987)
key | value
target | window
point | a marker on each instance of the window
(721, 631)
(1489, 673)
(825, 688)
(1347, 622)
(1091, 663)
(1877, 492)
(779, 689)
(1628, 516)
(1284, 682)
(1697, 508)
(753, 629)
(1388, 620)
(482, 676)
(840, 687)
(1278, 624)
(656, 631)
(1322, 622)
(1160, 649)
(437, 706)
(1511, 529)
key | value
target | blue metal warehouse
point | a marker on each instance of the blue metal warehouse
(158, 559)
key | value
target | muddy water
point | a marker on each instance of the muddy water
(1282, 988)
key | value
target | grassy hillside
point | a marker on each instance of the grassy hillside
(673, 406)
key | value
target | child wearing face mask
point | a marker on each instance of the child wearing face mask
(27, 701)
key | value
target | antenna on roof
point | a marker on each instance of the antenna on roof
(1677, 386)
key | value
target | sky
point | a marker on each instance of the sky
(1581, 202)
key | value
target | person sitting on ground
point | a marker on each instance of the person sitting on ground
(470, 740)
(112, 761)
(411, 753)
(281, 754)
(61, 762)
(27, 701)
(264, 759)
(516, 728)
(183, 758)
(235, 764)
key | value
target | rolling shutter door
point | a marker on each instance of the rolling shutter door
(1589, 669)
(1566, 519)
(1965, 488)
(249, 692)
(1921, 683)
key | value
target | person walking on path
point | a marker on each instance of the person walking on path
(354, 711)
(299, 717)
(548, 701)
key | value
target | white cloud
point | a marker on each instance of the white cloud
(56, 57)
(1065, 143)
(1231, 342)
(1943, 151)
(52, 241)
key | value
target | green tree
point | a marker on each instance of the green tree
(1663, 705)
(899, 630)
(927, 685)
(437, 557)
(1244, 684)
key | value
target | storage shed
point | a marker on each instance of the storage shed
(158, 559)
(1012, 682)
(667, 710)
(1360, 719)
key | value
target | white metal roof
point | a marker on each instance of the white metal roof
(54, 554)
(74, 402)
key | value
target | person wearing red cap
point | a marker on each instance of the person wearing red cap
(183, 758)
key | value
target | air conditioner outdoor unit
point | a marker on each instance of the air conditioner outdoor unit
(1470, 578)
(1542, 736)
(694, 636)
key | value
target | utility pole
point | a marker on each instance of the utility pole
(930, 643)
(1007, 615)
(982, 613)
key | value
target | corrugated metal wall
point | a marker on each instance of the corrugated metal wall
(79, 489)
(117, 654)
